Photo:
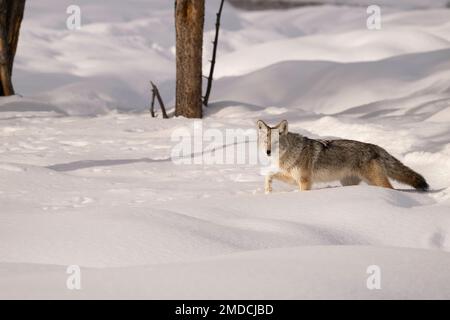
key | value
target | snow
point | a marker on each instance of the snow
(290, 273)
(87, 179)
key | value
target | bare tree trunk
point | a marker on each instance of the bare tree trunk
(189, 23)
(11, 14)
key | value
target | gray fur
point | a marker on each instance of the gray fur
(304, 161)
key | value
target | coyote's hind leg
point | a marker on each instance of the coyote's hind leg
(375, 175)
(350, 181)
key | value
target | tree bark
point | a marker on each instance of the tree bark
(189, 23)
(11, 15)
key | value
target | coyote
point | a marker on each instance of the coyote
(303, 161)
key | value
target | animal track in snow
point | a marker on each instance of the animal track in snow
(75, 143)
(10, 167)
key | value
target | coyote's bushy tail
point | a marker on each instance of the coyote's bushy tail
(398, 171)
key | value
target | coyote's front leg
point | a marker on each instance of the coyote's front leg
(268, 184)
(303, 178)
(305, 183)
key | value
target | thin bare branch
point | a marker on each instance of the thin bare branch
(152, 105)
(214, 55)
(160, 100)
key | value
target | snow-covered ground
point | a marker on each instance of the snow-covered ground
(86, 176)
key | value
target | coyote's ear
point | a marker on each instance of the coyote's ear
(283, 127)
(261, 125)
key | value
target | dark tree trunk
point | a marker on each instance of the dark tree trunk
(11, 14)
(189, 23)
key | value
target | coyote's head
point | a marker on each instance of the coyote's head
(268, 137)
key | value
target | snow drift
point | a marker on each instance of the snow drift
(86, 176)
